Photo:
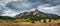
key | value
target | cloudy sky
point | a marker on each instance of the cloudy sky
(14, 7)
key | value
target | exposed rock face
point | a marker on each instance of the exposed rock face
(35, 12)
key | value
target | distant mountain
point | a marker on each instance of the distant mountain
(37, 13)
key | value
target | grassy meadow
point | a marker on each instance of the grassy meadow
(26, 22)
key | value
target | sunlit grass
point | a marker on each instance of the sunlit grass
(11, 23)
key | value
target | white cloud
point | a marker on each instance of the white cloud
(9, 13)
(50, 10)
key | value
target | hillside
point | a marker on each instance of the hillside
(37, 13)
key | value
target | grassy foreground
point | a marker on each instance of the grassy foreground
(52, 23)
(29, 24)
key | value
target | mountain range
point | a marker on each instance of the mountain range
(37, 13)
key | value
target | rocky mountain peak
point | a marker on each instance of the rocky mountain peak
(36, 12)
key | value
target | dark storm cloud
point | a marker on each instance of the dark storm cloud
(19, 5)
(23, 5)
(1, 10)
